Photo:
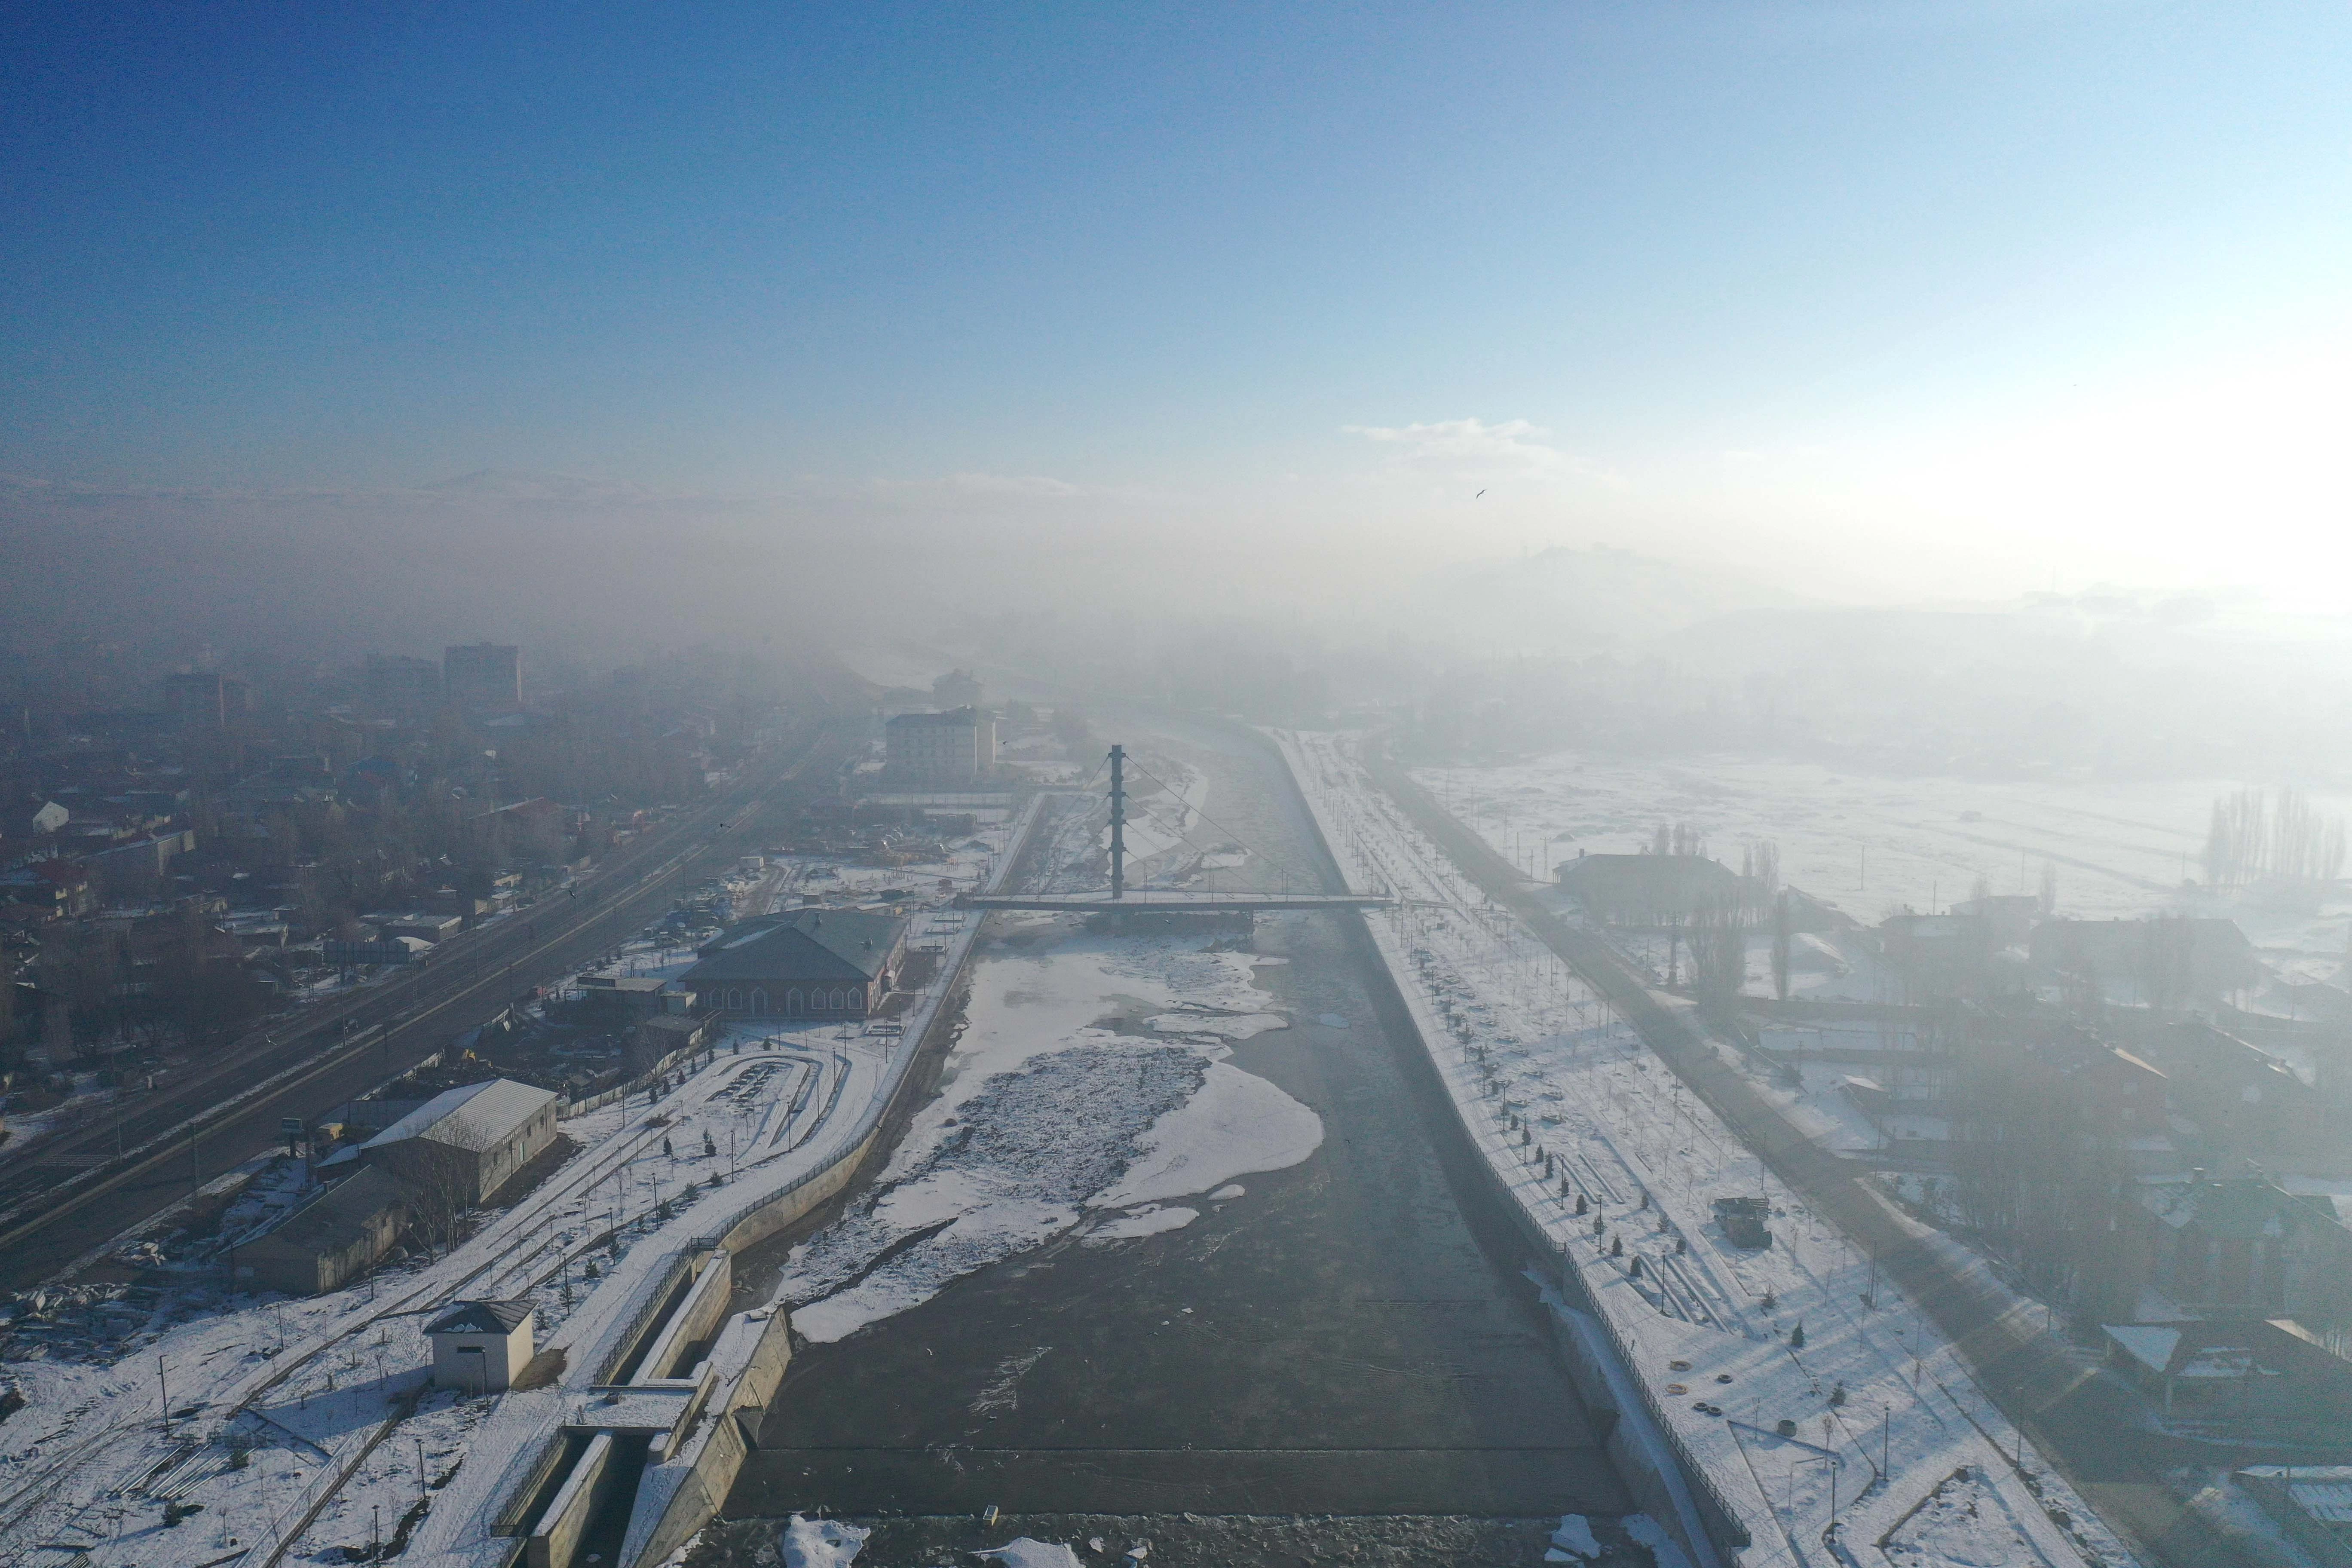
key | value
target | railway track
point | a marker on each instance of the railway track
(233, 1110)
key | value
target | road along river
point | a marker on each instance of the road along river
(1184, 1239)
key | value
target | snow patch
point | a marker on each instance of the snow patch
(1024, 1552)
(1240, 1028)
(1575, 1535)
(1237, 1123)
(820, 1543)
(1652, 1534)
(1147, 1221)
(1045, 1115)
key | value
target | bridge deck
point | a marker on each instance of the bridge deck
(1147, 901)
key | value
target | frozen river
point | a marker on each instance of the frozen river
(1179, 1233)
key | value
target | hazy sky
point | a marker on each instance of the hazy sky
(1886, 297)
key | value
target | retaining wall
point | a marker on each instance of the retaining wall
(686, 1491)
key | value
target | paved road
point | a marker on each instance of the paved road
(2078, 1421)
(73, 1194)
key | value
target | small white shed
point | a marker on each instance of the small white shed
(480, 1346)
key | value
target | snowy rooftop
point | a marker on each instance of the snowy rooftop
(476, 1117)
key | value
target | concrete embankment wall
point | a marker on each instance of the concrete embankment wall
(679, 1496)
(555, 1540)
(684, 1492)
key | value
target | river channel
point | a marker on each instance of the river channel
(1349, 1335)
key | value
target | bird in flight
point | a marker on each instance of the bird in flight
(1480, 493)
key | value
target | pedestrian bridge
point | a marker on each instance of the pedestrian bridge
(1149, 900)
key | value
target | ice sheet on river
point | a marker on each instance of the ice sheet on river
(1051, 1114)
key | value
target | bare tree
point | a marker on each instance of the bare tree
(1718, 948)
(1781, 944)
(440, 1182)
(2250, 838)
(1759, 873)
(2168, 954)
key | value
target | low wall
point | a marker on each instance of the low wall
(1636, 1442)
(788, 1209)
(679, 1496)
(685, 1492)
(698, 1312)
(556, 1537)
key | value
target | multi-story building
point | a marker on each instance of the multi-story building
(958, 745)
(484, 675)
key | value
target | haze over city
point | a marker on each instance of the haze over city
(1227, 785)
(1913, 301)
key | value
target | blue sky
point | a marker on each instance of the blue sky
(1808, 286)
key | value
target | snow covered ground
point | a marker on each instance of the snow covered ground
(1862, 1419)
(278, 1408)
(1868, 844)
(277, 1401)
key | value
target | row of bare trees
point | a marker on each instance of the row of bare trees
(1677, 838)
(2252, 835)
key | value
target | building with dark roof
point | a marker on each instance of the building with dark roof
(2168, 961)
(2244, 1245)
(813, 964)
(399, 684)
(2244, 1366)
(2245, 1102)
(662, 1038)
(1649, 889)
(204, 699)
(480, 1347)
(335, 1235)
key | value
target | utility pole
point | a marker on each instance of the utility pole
(163, 1388)
(1118, 822)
